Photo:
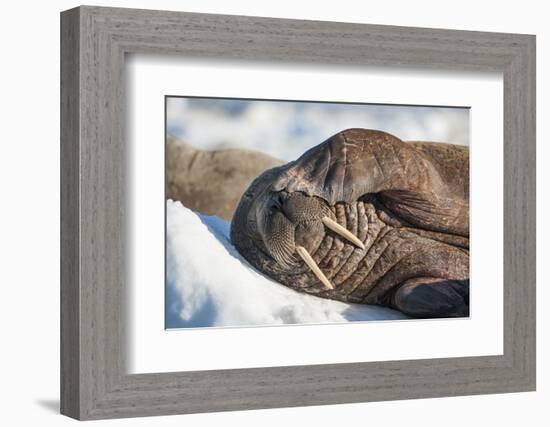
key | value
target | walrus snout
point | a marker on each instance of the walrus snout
(287, 221)
(293, 225)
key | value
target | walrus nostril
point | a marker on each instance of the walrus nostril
(344, 232)
(304, 254)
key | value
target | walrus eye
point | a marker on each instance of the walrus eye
(273, 206)
(275, 203)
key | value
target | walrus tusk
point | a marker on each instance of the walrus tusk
(342, 231)
(304, 254)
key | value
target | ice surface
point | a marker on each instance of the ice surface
(210, 284)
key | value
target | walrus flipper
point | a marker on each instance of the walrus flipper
(427, 297)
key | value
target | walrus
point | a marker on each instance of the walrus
(365, 217)
(211, 182)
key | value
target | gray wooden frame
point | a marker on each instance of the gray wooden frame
(94, 41)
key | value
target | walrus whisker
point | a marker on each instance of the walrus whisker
(304, 254)
(342, 231)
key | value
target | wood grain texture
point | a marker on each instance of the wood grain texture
(95, 238)
(70, 292)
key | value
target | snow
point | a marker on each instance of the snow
(210, 284)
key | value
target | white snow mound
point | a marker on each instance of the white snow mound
(210, 284)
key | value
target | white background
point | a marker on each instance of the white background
(154, 350)
(29, 238)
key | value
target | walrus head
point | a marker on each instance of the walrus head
(289, 214)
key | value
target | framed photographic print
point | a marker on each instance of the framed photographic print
(346, 212)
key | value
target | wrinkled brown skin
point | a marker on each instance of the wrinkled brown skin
(407, 202)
